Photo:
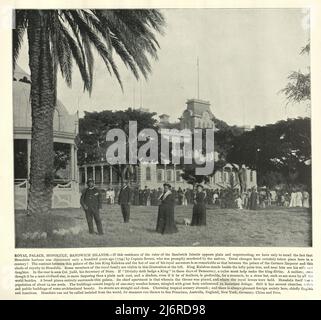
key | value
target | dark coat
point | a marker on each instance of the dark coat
(141, 197)
(124, 196)
(165, 219)
(146, 195)
(253, 200)
(199, 210)
(91, 198)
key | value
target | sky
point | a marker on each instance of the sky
(245, 56)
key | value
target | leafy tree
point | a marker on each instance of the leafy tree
(271, 179)
(283, 147)
(61, 157)
(56, 40)
(223, 138)
(297, 89)
(190, 176)
(93, 129)
(229, 193)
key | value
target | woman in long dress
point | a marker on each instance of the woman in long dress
(306, 197)
(165, 219)
(253, 199)
(199, 208)
(184, 198)
(293, 199)
(298, 198)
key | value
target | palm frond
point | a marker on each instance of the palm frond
(306, 49)
(77, 54)
(131, 34)
(18, 33)
(101, 48)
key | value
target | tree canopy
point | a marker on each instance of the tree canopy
(94, 126)
(298, 89)
(282, 148)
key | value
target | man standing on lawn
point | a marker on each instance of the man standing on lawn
(91, 202)
(124, 199)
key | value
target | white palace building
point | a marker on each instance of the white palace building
(196, 115)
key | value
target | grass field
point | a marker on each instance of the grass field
(225, 227)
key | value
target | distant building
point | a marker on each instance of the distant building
(163, 120)
(141, 109)
(197, 114)
(246, 128)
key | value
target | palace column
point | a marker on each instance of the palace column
(102, 174)
(86, 174)
(111, 175)
(76, 166)
(72, 162)
(94, 174)
(28, 157)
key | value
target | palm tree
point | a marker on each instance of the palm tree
(57, 39)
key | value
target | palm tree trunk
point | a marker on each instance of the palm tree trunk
(42, 106)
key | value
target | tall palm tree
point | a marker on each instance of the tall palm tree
(57, 39)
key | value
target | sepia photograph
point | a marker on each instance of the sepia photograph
(162, 127)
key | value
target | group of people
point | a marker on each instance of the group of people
(168, 197)
(150, 197)
(298, 198)
(91, 203)
(253, 198)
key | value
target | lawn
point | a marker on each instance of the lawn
(270, 227)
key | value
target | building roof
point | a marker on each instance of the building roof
(63, 121)
(19, 73)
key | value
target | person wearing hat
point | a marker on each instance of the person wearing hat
(124, 199)
(91, 202)
(199, 208)
(165, 219)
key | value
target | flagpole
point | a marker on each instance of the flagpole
(198, 79)
(141, 95)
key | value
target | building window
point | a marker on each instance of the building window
(251, 176)
(178, 176)
(169, 175)
(148, 174)
(160, 175)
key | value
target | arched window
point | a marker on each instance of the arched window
(148, 174)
